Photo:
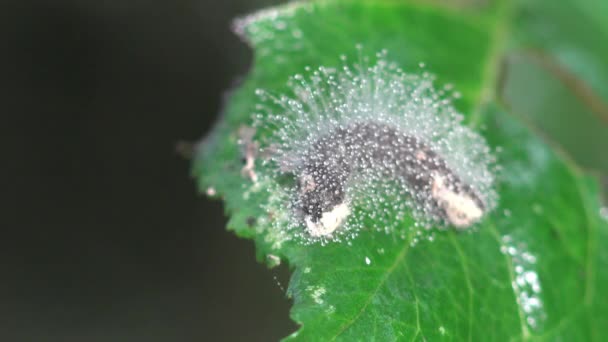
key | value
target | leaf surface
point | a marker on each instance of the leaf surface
(556, 76)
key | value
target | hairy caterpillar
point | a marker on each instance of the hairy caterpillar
(333, 158)
(370, 141)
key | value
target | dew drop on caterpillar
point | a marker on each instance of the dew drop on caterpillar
(366, 146)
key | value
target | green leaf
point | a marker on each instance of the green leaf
(557, 77)
(572, 32)
(538, 95)
(546, 240)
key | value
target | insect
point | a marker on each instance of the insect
(372, 142)
(329, 163)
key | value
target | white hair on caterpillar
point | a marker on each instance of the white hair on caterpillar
(369, 146)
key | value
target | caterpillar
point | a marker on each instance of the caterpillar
(370, 141)
(336, 156)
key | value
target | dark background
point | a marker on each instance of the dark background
(104, 235)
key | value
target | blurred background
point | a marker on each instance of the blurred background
(105, 237)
